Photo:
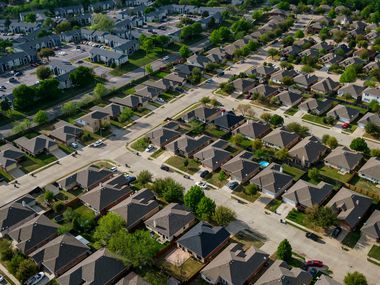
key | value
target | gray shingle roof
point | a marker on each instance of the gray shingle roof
(371, 168)
(372, 227)
(35, 145)
(9, 155)
(253, 129)
(342, 157)
(310, 149)
(341, 111)
(131, 101)
(289, 98)
(241, 166)
(370, 117)
(281, 138)
(326, 280)
(326, 85)
(132, 279)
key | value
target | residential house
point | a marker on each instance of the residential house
(235, 265)
(369, 118)
(93, 121)
(279, 76)
(62, 70)
(343, 113)
(217, 55)
(371, 228)
(308, 152)
(148, 92)
(113, 110)
(107, 195)
(133, 279)
(353, 90)
(314, 106)
(325, 86)
(33, 234)
(264, 71)
(241, 167)
(305, 80)
(370, 170)
(128, 47)
(37, 145)
(187, 146)
(101, 6)
(176, 78)
(65, 133)
(264, 90)
(162, 136)
(132, 101)
(199, 61)
(202, 114)
(183, 70)
(343, 159)
(331, 58)
(371, 94)
(304, 195)
(351, 208)
(289, 98)
(204, 241)
(292, 50)
(214, 155)
(371, 66)
(281, 139)
(326, 280)
(101, 267)
(69, 10)
(281, 273)
(60, 254)
(351, 60)
(16, 213)
(272, 181)
(109, 58)
(23, 27)
(137, 208)
(10, 157)
(170, 222)
(162, 84)
(87, 178)
(243, 85)
(14, 60)
(253, 129)
(228, 121)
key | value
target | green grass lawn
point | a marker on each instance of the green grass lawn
(374, 252)
(297, 217)
(5, 175)
(240, 193)
(178, 162)
(293, 171)
(351, 239)
(161, 74)
(273, 205)
(365, 185)
(185, 271)
(157, 153)
(291, 111)
(67, 149)
(32, 163)
(141, 144)
(315, 119)
(248, 239)
(213, 178)
(333, 174)
(360, 109)
(213, 131)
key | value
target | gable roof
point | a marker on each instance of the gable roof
(344, 158)
(203, 239)
(132, 101)
(86, 177)
(289, 98)
(253, 129)
(243, 84)
(65, 132)
(148, 92)
(133, 279)
(342, 111)
(235, 265)
(241, 166)
(9, 155)
(372, 227)
(370, 117)
(309, 149)
(352, 89)
(326, 280)
(326, 85)
(305, 79)
(371, 168)
(314, 105)
(264, 90)
(36, 144)
(187, 145)
(281, 138)
(228, 120)
(203, 113)
(163, 136)
(214, 155)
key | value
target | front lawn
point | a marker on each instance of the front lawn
(315, 119)
(351, 239)
(157, 153)
(141, 144)
(243, 195)
(214, 179)
(179, 163)
(293, 171)
(374, 252)
(7, 177)
(297, 217)
(32, 163)
(248, 239)
(334, 174)
(273, 205)
(291, 111)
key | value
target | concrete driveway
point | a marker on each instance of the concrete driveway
(59, 153)
(16, 173)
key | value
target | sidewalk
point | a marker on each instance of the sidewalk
(8, 275)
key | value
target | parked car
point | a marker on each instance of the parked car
(312, 236)
(165, 57)
(314, 263)
(113, 169)
(1, 278)
(165, 167)
(35, 278)
(130, 179)
(59, 218)
(313, 271)
(74, 145)
(3, 87)
(336, 232)
(204, 173)
(97, 143)
(345, 125)
(18, 74)
(160, 100)
(12, 80)
(232, 185)
(201, 184)
(149, 148)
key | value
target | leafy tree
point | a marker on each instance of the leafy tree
(46, 53)
(251, 189)
(313, 173)
(192, 197)
(21, 126)
(168, 189)
(100, 91)
(48, 196)
(288, 41)
(375, 152)
(330, 120)
(40, 117)
(223, 216)
(24, 96)
(26, 269)
(43, 72)
(359, 144)
(146, 44)
(205, 208)
(214, 102)
(374, 106)
(144, 177)
(30, 18)
(149, 69)
(196, 75)
(299, 34)
(205, 100)
(298, 129)
(58, 206)
(108, 225)
(355, 278)
(184, 51)
(272, 52)
(257, 144)
(284, 250)
(102, 22)
(161, 41)
(69, 108)
(349, 75)
(323, 217)
(227, 87)
(237, 139)
(5, 105)
(276, 120)
(82, 76)
(266, 117)
(69, 215)
(281, 154)
(222, 176)
(126, 114)
(257, 14)
(63, 26)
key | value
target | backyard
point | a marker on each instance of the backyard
(248, 239)
(334, 174)
(365, 185)
(293, 171)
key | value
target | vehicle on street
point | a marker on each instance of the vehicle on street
(80, 61)
(97, 143)
(3, 87)
(232, 185)
(18, 74)
(186, 176)
(1, 278)
(221, 73)
(12, 80)
(130, 178)
(35, 278)
(204, 173)
(164, 167)
(149, 148)
(345, 125)
(314, 263)
(113, 169)
(312, 236)
(201, 184)
(336, 232)
(74, 145)
(209, 80)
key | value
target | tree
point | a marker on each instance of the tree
(330, 120)
(102, 22)
(63, 26)
(100, 91)
(214, 102)
(40, 117)
(5, 105)
(355, 278)
(30, 18)
(223, 216)
(272, 52)
(192, 197)
(161, 41)
(58, 206)
(244, 108)
(144, 177)
(69, 108)
(307, 69)
(313, 173)
(330, 141)
(281, 154)
(359, 144)
(26, 269)
(237, 139)
(108, 225)
(24, 97)
(257, 144)
(299, 34)
(43, 72)
(374, 106)
(266, 117)
(205, 100)
(205, 208)
(196, 75)
(349, 75)
(227, 87)
(168, 189)
(48, 196)
(149, 69)
(288, 41)
(323, 217)
(276, 120)
(21, 126)
(184, 51)
(82, 76)
(297, 128)
(251, 189)
(284, 250)
(375, 152)
(257, 14)
(46, 53)
(222, 176)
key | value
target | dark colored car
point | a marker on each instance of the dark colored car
(313, 272)
(336, 232)
(312, 236)
(314, 263)
(164, 167)
(59, 218)
(232, 185)
(204, 173)
(130, 179)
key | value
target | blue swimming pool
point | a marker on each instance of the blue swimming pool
(263, 163)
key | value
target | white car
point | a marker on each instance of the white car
(160, 100)
(97, 143)
(165, 57)
(1, 278)
(149, 148)
(113, 169)
(74, 145)
(201, 184)
(35, 278)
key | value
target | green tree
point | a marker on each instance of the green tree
(355, 278)
(24, 97)
(100, 91)
(276, 120)
(192, 197)
(41, 117)
(102, 22)
(69, 108)
(184, 51)
(82, 76)
(205, 208)
(284, 250)
(149, 69)
(272, 52)
(222, 176)
(323, 217)
(257, 144)
(26, 269)
(349, 75)
(30, 18)
(126, 114)
(297, 128)
(196, 75)
(266, 117)
(251, 189)
(46, 53)
(63, 26)
(43, 72)
(374, 106)
(223, 216)
(48, 196)
(168, 189)
(205, 100)
(144, 177)
(307, 69)
(375, 152)
(108, 226)
(299, 34)
(58, 206)
(281, 154)
(237, 139)
(313, 173)
(359, 144)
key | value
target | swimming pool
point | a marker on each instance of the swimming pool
(263, 163)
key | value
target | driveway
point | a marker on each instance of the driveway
(16, 173)
(59, 153)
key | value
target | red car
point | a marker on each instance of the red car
(314, 263)
(345, 125)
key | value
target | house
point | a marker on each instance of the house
(37, 145)
(163, 84)
(343, 159)
(293, 50)
(162, 136)
(128, 47)
(228, 121)
(214, 155)
(326, 280)
(101, 267)
(343, 113)
(109, 58)
(16, 213)
(325, 86)
(133, 279)
(87, 178)
(305, 80)
(351, 208)
(93, 121)
(272, 181)
(310, 53)
(202, 114)
(23, 27)
(371, 228)
(370, 170)
(369, 118)
(323, 46)
(148, 92)
(264, 90)
(353, 90)
(60, 254)
(331, 58)
(281, 273)
(371, 94)
(113, 110)
(264, 71)
(69, 10)
(235, 265)
(132, 101)
(352, 60)
(198, 61)
(371, 66)
(101, 6)
(170, 222)
(176, 78)
(289, 98)
(281, 139)
(253, 129)
(308, 152)
(62, 70)
(241, 167)
(187, 146)
(33, 234)
(10, 157)
(183, 70)
(243, 85)
(14, 60)
(137, 208)
(279, 76)
(304, 195)
(314, 106)
(204, 241)
(107, 195)
(65, 132)
(217, 55)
